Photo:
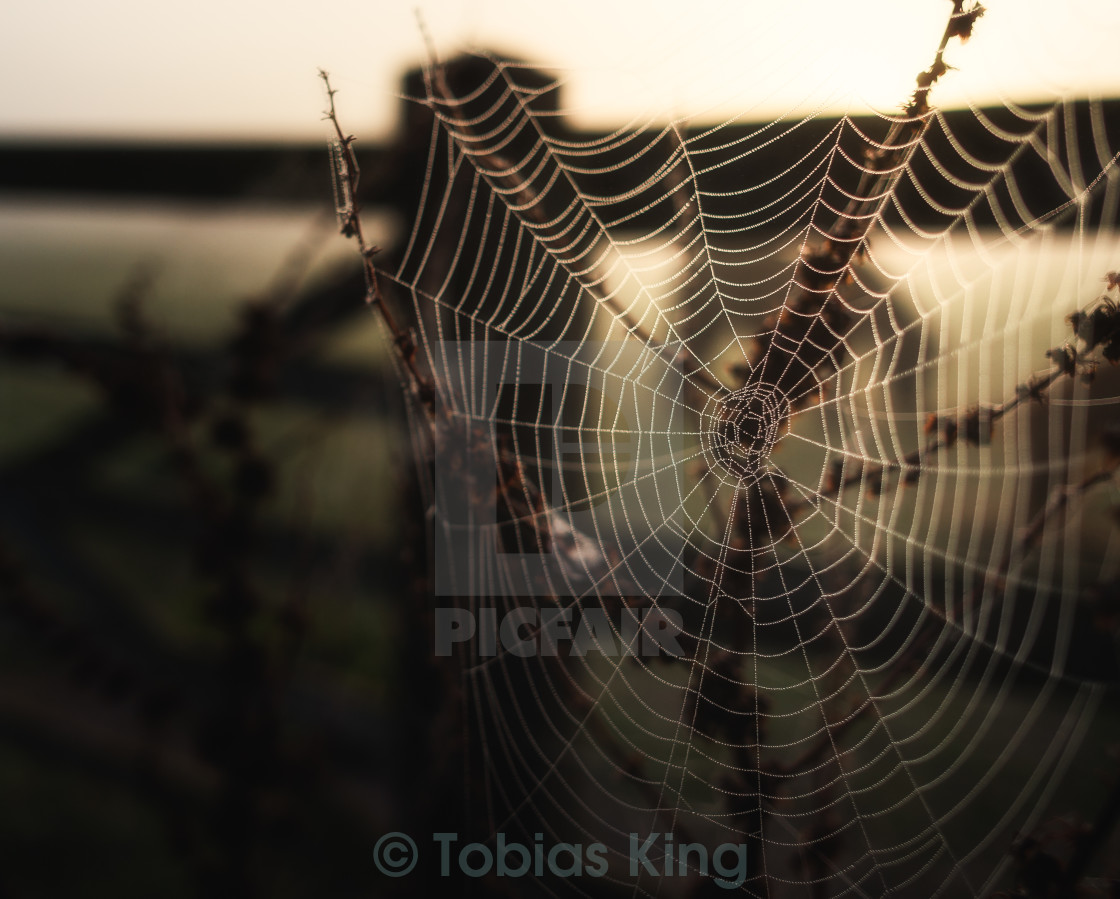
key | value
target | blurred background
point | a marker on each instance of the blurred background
(209, 531)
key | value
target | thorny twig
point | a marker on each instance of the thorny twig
(810, 329)
(1097, 329)
(812, 325)
(346, 174)
(517, 496)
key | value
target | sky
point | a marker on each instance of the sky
(246, 69)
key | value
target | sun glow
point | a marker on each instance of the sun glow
(240, 69)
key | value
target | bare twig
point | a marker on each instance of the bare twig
(814, 320)
(1098, 331)
(346, 174)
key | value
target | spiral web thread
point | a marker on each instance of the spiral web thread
(790, 383)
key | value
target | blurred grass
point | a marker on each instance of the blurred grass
(37, 406)
(70, 261)
(110, 613)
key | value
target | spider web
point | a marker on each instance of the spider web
(787, 386)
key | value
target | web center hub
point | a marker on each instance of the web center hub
(740, 429)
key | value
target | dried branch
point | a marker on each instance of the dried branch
(346, 176)
(1098, 330)
(814, 320)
